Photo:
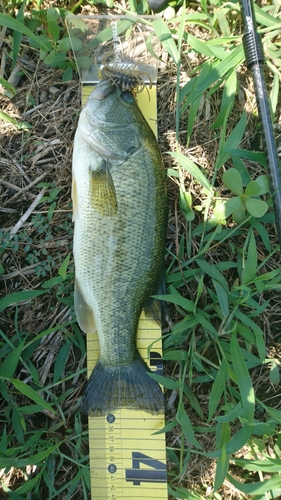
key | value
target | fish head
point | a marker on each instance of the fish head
(111, 123)
(111, 106)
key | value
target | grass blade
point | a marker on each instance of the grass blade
(228, 96)
(243, 380)
(184, 421)
(165, 36)
(223, 460)
(258, 488)
(31, 394)
(16, 25)
(16, 297)
(234, 59)
(218, 388)
(192, 169)
(250, 269)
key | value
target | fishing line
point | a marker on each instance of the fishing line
(254, 60)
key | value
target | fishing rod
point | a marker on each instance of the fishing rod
(254, 60)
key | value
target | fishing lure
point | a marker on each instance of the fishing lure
(123, 75)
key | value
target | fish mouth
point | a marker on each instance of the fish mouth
(102, 90)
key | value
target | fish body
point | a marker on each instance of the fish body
(120, 214)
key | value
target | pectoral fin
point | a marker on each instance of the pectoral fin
(84, 314)
(74, 200)
(103, 195)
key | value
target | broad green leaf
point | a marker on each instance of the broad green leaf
(167, 428)
(212, 271)
(76, 21)
(11, 361)
(3, 440)
(253, 189)
(239, 215)
(17, 425)
(65, 44)
(183, 493)
(228, 96)
(244, 318)
(193, 401)
(242, 169)
(257, 488)
(233, 181)
(264, 465)
(257, 208)
(184, 421)
(186, 304)
(49, 59)
(220, 14)
(29, 484)
(186, 205)
(60, 362)
(106, 34)
(31, 394)
(10, 88)
(250, 269)
(232, 141)
(16, 297)
(7, 118)
(263, 17)
(232, 415)
(222, 297)
(274, 95)
(52, 282)
(248, 155)
(19, 463)
(218, 387)
(63, 267)
(273, 412)
(263, 182)
(16, 25)
(274, 373)
(53, 26)
(168, 383)
(83, 62)
(262, 232)
(237, 441)
(165, 37)
(181, 30)
(234, 59)
(198, 45)
(223, 460)
(18, 35)
(244, 381)
(224, 209)
(192, 169)
(194, 106)
(175, 355)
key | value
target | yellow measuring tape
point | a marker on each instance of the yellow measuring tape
(127, 458)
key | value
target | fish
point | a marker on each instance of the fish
(120, 219)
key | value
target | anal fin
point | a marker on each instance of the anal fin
(84, 314)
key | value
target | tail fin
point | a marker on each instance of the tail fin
(110, 388)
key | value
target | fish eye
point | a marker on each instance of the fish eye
(127, 96)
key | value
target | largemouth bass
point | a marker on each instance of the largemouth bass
(120, 214)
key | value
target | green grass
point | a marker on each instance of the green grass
(221, 280)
